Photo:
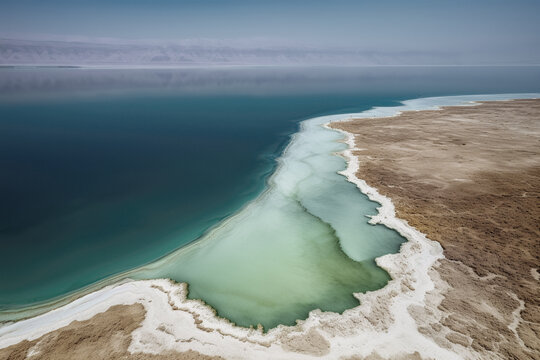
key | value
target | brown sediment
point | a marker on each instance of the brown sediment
(105, 336)
(469, 178)
(312, 343)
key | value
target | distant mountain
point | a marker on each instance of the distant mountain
(31, 52)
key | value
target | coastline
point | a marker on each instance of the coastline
(473, 189)
(382, 324)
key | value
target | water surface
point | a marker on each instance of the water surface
(103, 171)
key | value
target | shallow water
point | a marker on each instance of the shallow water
(104, 171)
(302, 245)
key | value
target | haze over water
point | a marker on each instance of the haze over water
(106, 170)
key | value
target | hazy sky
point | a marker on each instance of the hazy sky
(496, 27)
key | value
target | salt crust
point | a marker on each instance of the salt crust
(382, 324)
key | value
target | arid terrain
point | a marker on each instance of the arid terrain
(105, 336)
(469, 178)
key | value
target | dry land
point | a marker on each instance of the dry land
(469, 178)
(105, 336)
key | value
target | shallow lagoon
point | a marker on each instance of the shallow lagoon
(303, 244)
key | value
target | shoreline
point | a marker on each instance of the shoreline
(382, 317)
(39, 308)
(487, 312)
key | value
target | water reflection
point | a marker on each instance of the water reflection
(44, 83)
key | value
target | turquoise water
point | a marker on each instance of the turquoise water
(304, 244)
(104, 171)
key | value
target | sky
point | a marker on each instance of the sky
(480, 28)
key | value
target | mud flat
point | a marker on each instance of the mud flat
(474, 300)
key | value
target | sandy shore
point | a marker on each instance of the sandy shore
(467, 177)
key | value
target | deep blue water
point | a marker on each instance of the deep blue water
(105, 170)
